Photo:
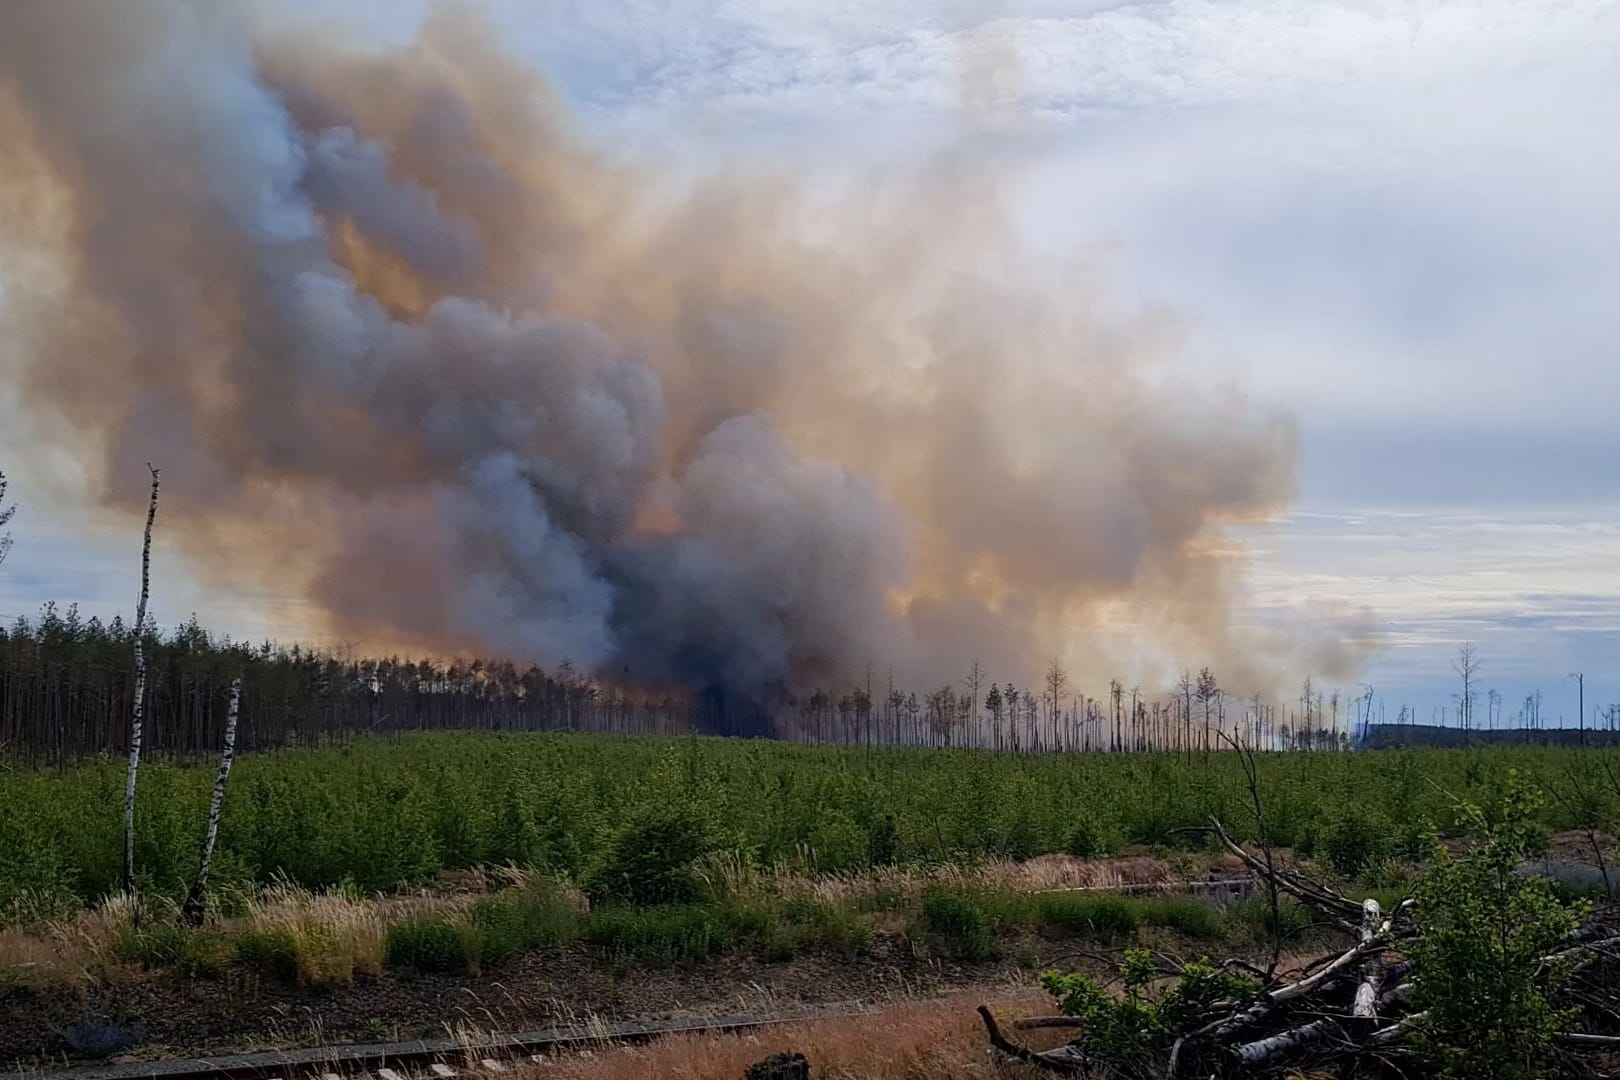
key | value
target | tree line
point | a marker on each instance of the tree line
(67, 691)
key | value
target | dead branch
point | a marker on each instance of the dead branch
(1349, 1003)
(1065, 1060)
(1030, 1022)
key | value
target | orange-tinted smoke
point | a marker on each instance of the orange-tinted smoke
(404, 338)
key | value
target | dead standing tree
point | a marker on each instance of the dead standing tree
(6, 514)
(196, 901)
(1466, 666)
(135, 717)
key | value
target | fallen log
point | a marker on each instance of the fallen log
(1273, 1046)
(1365, 1007)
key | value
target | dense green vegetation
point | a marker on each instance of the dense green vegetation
(496, 929)
(383, 813)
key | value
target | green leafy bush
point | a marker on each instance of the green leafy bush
(883, 841)
(1355, 841)
(1130, 1035)
(1485, 996)
(269, 952)
(1091, 839)
(427, 944)
(960, 922)
(502, 926)
(828, 925)
(651, 863)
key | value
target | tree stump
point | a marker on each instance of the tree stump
(779, 1067)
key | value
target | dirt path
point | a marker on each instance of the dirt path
(238, 1013)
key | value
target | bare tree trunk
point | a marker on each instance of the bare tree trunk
(192, 912)
(140, 694)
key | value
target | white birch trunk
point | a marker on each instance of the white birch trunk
(195, 904)
(137, 714)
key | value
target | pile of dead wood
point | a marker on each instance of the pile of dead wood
(1347, 1004)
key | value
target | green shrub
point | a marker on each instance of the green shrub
(428, 944)
(269, 952)
(882, 898)
(536, 915)
(651, 863)
(781, 944)
(883, 841)
(1483, 992)
(659, 936)
(961, 923)
(1091, 840)
(1355, 841)
(1130, 1035)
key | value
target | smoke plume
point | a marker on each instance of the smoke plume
(405, 341)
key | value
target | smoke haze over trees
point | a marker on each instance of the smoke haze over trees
(406, 342)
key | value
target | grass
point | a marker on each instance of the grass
(384, 814)
(296, 937)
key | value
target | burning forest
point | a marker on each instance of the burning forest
(412, 347)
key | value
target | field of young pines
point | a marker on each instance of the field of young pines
(378, 814)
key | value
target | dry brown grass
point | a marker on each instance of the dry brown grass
(728, 875)
(939, 1040)
(73, 951)
(336, 936)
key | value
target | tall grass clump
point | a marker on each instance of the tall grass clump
(537, 914)
(313, 939)
(1107, 918)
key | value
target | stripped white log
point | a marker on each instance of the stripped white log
(1263, 1050)
(137, 714)
(1293, 991)
(441, 1069)
(1581, 1038)
(1585, 947)
(491, 1065)
(389, 1074)
(1365, 1008)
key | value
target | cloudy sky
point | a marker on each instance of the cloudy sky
(1396, 220)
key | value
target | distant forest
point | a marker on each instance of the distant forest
(66, 691)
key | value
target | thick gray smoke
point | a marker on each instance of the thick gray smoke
(403, 340)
